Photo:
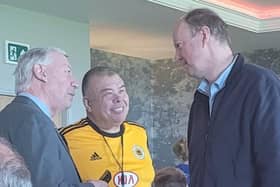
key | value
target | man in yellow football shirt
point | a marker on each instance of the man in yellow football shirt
(104, 141)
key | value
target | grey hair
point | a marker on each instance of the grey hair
(13, 171)
(200, 17)
(23, 72)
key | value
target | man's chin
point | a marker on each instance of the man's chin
(118, 120)
(192, 74)
(68, 105)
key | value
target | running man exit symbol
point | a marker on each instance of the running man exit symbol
(14, 50)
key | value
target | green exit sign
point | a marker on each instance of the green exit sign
(14, 50)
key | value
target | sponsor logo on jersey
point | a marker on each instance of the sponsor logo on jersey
(130, 179)
(138, 152)
(95, 156)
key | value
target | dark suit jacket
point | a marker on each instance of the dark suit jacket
(34, 136)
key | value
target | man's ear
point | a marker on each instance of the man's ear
(88, 105)
(205, 35)
(39, 72)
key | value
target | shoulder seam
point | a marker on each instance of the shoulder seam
(135, 124)
(69, 128)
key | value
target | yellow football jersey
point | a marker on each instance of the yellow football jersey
(124, 153)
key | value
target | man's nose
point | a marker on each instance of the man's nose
(117, 98)
(74, 83)
(178, 57)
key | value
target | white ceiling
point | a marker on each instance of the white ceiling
(142, 28)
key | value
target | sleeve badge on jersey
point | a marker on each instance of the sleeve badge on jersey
(138, 152)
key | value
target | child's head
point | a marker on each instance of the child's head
(169, 177)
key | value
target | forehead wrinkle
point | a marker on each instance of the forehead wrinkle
(111, 89)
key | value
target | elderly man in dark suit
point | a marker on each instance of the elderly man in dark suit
(44, 86)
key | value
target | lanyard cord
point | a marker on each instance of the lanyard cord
(114, 156)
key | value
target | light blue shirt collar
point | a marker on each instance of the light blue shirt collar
(38, 102)
(204, 86)
(211, 90)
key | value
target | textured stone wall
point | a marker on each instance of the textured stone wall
(172, 96)
(161, 95)
(269, 58)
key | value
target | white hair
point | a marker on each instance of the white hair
(23, 72)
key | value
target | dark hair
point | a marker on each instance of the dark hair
(206, 17)
(96, 71)
(180, 149)
(169, 177)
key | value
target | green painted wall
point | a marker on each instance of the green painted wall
(40, 30)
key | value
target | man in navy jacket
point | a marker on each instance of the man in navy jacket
(234, 123)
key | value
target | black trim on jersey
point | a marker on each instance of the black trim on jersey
(69, 128)
(103, 133)
(135, 124)
(65, 141)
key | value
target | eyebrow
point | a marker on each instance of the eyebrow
(122, 86)
(179, 41)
